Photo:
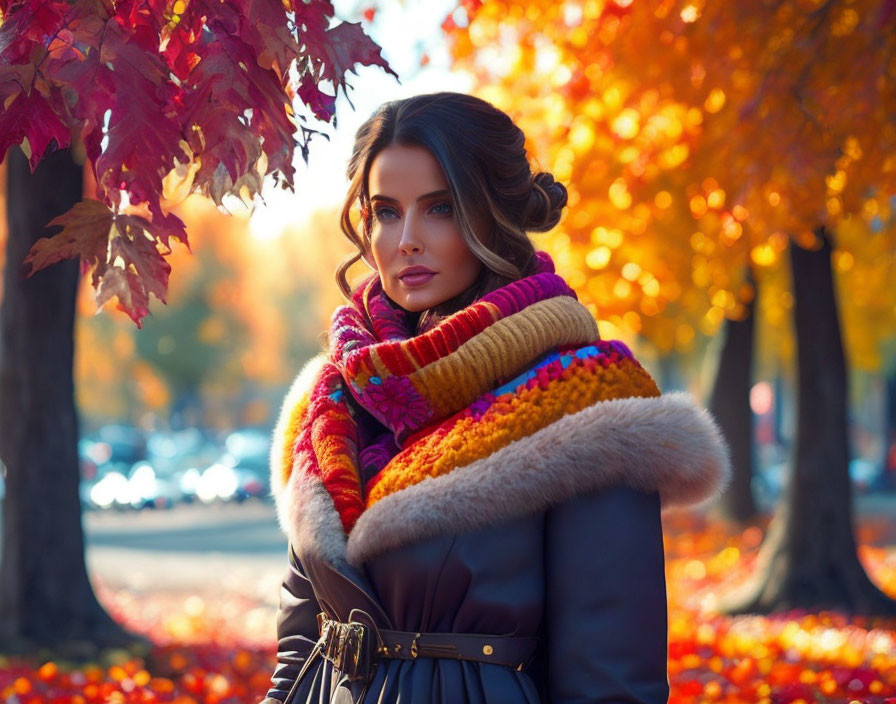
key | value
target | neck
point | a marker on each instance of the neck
(485, 283)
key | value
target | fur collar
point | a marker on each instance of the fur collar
(664, 443)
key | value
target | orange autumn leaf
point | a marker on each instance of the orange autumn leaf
(700, 137)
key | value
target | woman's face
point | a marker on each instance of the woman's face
(415, 240)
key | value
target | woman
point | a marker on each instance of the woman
(470, 479)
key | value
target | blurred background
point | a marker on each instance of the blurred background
(656, 247)
(182, 409)
(676, 237)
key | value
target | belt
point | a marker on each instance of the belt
(353, 646)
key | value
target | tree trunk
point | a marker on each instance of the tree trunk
(730, 404)
(46, 599)
(808, 559)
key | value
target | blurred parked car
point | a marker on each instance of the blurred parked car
(865, 474)
(114, 443)
(150, 488)
(141, 485)
(108, 488)
(181, 457)
(123, 468)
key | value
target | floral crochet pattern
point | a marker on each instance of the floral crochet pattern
(396, 404)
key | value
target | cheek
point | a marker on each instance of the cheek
(462, 256)
(380, 248)
(446, 240)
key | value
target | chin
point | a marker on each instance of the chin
(416, 305)
(416, 301)
(420, 298)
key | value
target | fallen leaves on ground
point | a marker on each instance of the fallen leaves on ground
(789, 658)
(217, 647)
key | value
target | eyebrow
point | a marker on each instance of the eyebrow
(425, 196)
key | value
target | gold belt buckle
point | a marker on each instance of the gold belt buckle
(321, 622)
(343, 644)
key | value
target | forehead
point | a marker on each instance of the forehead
(400, 170)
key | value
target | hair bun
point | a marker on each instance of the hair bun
(546, 201)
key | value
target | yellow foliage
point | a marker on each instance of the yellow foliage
(252, 283)
(706, 134)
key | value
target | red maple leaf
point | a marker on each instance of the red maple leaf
(85, 234)
(321, 104)
(147, 88)
(346, 46)
(28, 24)
(217, 98)
(263, 26)
(137, 248)
(31, 116)
(129, 265)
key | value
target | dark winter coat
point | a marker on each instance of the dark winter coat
(556, 536)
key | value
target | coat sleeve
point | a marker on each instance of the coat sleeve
(605, 600)
(296, 629)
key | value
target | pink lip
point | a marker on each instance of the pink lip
(414, 270)
(415, 275)
(416, 279)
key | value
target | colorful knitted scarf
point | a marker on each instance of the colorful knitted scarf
(389, 408)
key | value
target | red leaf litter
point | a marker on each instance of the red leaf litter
(219, 647)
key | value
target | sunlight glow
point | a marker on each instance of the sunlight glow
(403, 31)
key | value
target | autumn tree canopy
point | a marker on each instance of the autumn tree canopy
(165, 96)
(702, 140)
(698, 137)
(265, 303)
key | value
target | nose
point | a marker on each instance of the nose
(411, 236)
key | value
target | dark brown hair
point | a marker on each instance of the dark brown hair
(482, 154)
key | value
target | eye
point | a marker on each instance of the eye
(384, 213)
(442, 208)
